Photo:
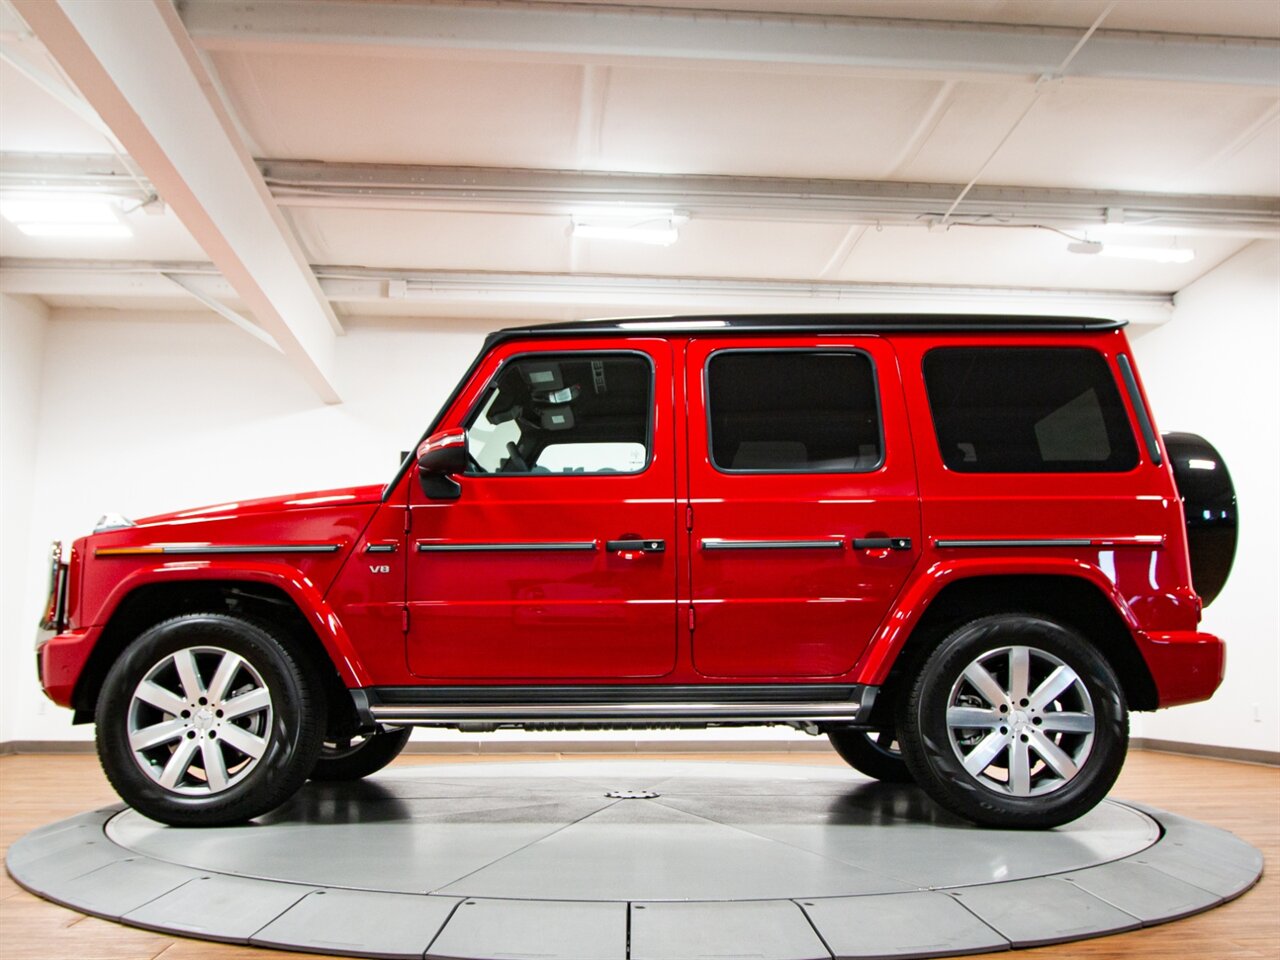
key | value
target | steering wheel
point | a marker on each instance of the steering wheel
(474, 465)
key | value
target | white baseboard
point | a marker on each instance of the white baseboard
(813, 745)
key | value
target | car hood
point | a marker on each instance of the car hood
(311, 500)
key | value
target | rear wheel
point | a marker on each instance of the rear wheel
(875, 753)
(208, 719)
(356, 757)
(1015, 721)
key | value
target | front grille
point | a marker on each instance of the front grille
(55, 611)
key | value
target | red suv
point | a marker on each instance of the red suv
(956, 545)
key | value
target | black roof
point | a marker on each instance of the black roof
(812, 323)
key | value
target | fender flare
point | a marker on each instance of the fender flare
(299, 588)
(896, 628)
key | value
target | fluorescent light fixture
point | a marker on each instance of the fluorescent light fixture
(55, 209)
(65, 216)
(655, 227)
(1152, 254)
(88, 231)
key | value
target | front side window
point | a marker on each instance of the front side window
(1027, 410)
(793, 411)
(585, 413)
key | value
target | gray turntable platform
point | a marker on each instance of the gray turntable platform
(684, 860)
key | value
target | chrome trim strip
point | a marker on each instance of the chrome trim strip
(1012, 543)
(849, 711)
(206, 549)
(380, 548)
(715, 543)
(557, 546)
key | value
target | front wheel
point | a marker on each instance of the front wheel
(357, 757)
(1015, 721)
(208, 720)
(875, 753)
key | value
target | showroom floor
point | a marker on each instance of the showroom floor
(1245, 799)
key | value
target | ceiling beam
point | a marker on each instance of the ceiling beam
(636, 294)
(562, 192)
(604, 33)
(14, 55)
(139, 70)
(222, 310)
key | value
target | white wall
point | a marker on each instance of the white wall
(140, 416)
(23, 323)
(1215, 370)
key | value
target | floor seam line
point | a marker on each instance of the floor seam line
(158, 895)
(982, 920)
(314, 889)
(791, 846)
(522, 847)
(447, 920)
(816, 932)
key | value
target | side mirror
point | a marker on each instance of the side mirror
(440, 455)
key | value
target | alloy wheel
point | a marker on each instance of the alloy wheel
(1020, 721)
(199, 720)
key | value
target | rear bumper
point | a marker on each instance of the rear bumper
(1186, 666)
(61, 661)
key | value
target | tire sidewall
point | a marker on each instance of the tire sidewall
(934, 762)
(292, 738)
(377, 750)
(858, 750)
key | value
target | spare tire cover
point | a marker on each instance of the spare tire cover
(1209, 503)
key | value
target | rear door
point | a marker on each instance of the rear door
(803, 497)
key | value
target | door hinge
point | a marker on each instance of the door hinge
(693, 619)
(688, 518)
(408, 520)
(404, 619)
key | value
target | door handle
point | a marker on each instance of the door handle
(636, 546)
(882, 543)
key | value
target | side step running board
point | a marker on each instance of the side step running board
(443, 706)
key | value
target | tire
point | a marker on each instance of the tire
(357, 757)
(1001, 752)
(875, 753)
(243, 692)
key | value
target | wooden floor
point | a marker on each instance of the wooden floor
(35, 790)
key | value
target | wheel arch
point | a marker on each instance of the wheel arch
(1070, 598)
(265, 596)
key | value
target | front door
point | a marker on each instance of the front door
(803, 494)
(559, 558)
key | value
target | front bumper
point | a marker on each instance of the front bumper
(1186, 666)
(61, 660)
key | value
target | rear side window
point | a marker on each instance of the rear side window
(793, 411)
(1027, 410)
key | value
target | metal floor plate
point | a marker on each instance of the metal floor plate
(534, 861)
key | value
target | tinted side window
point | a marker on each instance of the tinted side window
(566, 413)
(793, 411)
(1027, 410)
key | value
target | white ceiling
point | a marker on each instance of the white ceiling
(353, 101)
